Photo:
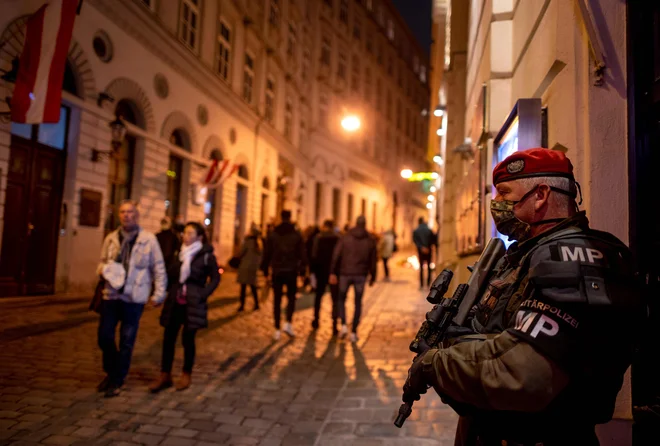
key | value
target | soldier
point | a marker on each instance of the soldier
(553, 335)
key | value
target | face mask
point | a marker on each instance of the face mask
(508, 224)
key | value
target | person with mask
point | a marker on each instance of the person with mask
(353, 260)
(547, 346)
(193, 277)
(132, 265)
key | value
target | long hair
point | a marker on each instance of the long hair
(199, 229)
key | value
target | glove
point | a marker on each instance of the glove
(416, 384)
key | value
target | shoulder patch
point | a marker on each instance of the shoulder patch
(568, 252)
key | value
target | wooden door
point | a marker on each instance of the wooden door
(31, 218)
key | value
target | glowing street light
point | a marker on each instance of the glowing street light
(429, 205)
(433, 189)
(438, 160)
(440, 132)
(439, 111)
(431, 198)
(350, 123)
(406, 173)
(435, 175)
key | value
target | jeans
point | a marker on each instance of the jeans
(253, 288)
(424, 259)
(177, 320)
(386, 268)
(116, 362)
(358, 283)
(290, 280)
(321, 284)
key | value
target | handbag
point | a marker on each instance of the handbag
(97, 299)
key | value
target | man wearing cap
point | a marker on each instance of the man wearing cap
(551, 338)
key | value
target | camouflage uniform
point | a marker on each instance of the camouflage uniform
(553, 337)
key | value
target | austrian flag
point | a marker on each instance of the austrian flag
(38, 90)
(219, 172)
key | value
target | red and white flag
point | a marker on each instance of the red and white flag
(219, 172)
(38, 90)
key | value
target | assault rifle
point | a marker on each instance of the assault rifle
(452, 311)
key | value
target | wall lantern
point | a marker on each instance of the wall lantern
(118, 133)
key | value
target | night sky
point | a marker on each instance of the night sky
(417, 13)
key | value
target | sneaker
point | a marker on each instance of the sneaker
(315, 324)
(354, 338)
(276, 336)
(288, 329)
(103, 385)
(112, 391)
(343, 332)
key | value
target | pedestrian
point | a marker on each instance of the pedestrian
(353, 260)
(250, 256)
(543, 364)
(169, 241)
(131, 262)
(386, 250)
(423, 239)
(321, 259)
(193, 277)
(284, 259)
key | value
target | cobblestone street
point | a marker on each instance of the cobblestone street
(247, 389)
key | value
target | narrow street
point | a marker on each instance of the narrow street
(247, 389)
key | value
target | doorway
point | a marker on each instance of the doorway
(35, 180)
(643, 164)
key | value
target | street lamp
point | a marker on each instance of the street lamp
(118, 132)
(406, 173)
(440, 132)
(429, 206)
(431, 198)
(439, 110)
(438, 160)
(433, 189)
(350, 123)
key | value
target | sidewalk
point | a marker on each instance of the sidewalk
(247, 389)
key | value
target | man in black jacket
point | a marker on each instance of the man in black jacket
(353, 260)
(169, 242)
(284, 255)
(321, 258)
(423, 238)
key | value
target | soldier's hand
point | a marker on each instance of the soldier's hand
(416, 384)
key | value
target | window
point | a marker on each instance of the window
(341, 66)
(367, 85)
(336, 202)
(390, 29)
(422, 74)
(304, 69)
(357, 29)
(274, 16)
(343, 11)
(189, 22)
(370, 42)
(248, 78)
(223, 52)
(288, 119)
(374, 214)
(269, 112)
(398, 115)
(51, 135)
(317, 202)
(355, 77)
(323, 110)
(326, 51)
(174, 173)
(349, 208)
(363, 208)
(291, 43)
(303, 132)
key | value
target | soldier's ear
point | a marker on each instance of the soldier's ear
(542, 195)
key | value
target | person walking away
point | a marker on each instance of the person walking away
(132, 265)
(247, 270)
(321, 259)
(193, 277)
(423, 240)
(284, 258)
(354, 259)
(386, 250)
(169, 241)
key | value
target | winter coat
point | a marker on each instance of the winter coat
(250, 258)
(146, 267)
(355, 254)
(284, 251)
(169, 244)
(204, 279)
(386, 246)
(324, 247)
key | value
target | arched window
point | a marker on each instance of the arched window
(181, 138)
(243, 172)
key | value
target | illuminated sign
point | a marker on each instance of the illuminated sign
(421, 176)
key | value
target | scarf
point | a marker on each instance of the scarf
(185, 256)
(127, 240)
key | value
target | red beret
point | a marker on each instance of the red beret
(533, 163)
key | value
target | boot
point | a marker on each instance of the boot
(184, 382)
(162, 383)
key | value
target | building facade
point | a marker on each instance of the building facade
(552, 69)
(262, 83)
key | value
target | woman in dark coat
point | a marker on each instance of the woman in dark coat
(247, 270)
(192, 278)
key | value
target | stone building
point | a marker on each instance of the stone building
(264, 84)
